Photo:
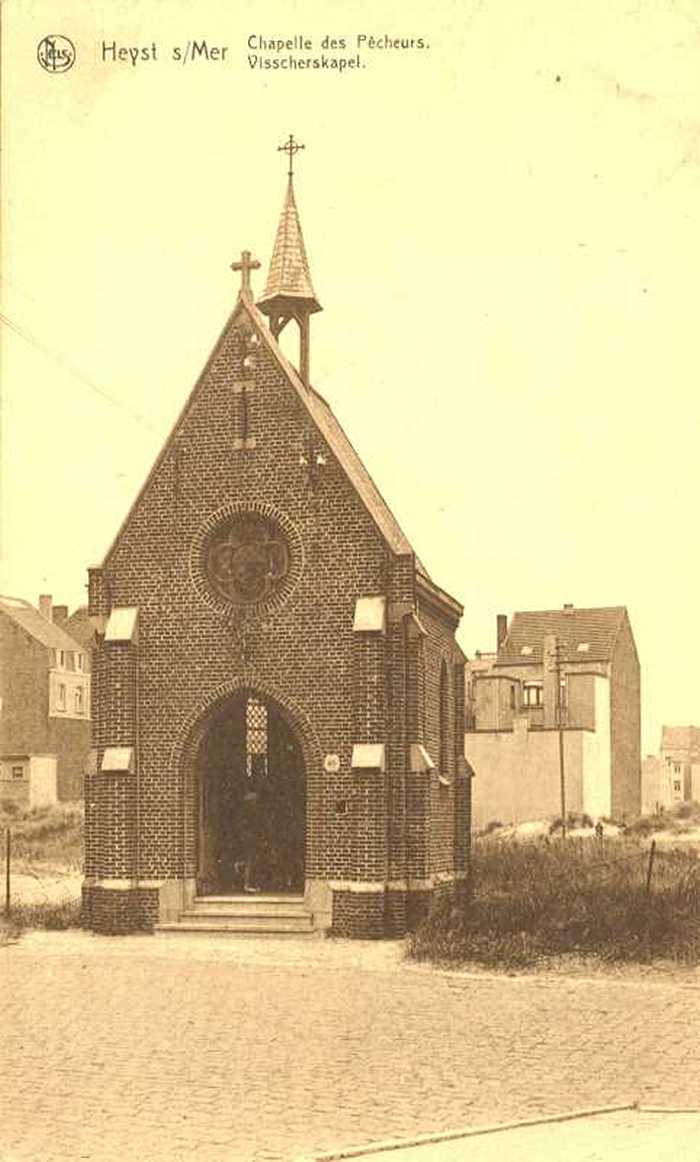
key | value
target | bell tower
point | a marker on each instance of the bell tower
(289, 293)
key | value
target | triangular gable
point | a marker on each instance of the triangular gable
(324, 421)
(23, 614)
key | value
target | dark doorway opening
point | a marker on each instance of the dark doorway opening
(251, 801)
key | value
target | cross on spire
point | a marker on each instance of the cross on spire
(291, 147)
(246, 264)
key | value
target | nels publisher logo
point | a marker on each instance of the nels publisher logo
(56, 54)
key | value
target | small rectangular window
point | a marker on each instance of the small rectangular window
(18, 772)
(79, 661)
(61, 697)
(532, 694)
(61, 659)
(677, 785)
(79, 700)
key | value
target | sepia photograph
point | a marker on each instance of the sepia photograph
(349, 487)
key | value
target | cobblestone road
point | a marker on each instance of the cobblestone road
(177, 1048)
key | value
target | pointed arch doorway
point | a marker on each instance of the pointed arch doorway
(251, 792)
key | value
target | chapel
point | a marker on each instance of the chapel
(278, 695)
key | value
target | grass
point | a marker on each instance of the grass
(534, 903)
(49, 839)
(46, 841)
(55, 917)
(680, 818)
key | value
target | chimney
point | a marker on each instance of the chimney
(568, 607)
(60, 614)
(45, 606)
(501, 629)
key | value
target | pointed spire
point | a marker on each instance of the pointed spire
(289, 284)
(289, 293)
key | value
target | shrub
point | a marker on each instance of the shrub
(55, 916)
(687, 810)
(647, 825)
(533, 903)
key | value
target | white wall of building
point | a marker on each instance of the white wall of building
(43, 786)
(597, 755)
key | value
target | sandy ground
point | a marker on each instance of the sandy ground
(43, 888)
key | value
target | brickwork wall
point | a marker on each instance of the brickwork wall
(625, 727)
(335, 687)
(119, 911)
(397, 746)
(359, 914)
(442, 738)
(25, 726)
(24, 687)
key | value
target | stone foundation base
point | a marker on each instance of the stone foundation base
(384, 913)
(118, 911)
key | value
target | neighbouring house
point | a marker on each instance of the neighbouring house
(45, 703)
(679, 756)
(569, 672)
(279, 695)
(656, 786)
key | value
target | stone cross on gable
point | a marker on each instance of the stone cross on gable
(246, 264)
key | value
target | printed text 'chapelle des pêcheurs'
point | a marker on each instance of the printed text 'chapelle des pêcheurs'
(264, 52)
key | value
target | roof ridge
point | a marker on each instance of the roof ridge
(36, 621)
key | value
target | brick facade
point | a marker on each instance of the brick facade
(375, 838)
(29, 725)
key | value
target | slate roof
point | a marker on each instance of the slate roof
(597, 627)
(289, 275)
(680, 737)
(31, 621)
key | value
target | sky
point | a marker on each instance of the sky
(503, 232)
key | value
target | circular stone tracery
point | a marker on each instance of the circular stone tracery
(246, 557)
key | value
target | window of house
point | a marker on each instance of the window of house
(676, 784)
(61, 697)
(256, 738)
(676, 768)
(79, 700)
(18, 772)
(532, 694)
(79, 662)
(512, 697)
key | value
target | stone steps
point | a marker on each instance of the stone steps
(253, 912)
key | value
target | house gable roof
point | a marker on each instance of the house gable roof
(596, 628)
(680, 737)
(31, 621)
